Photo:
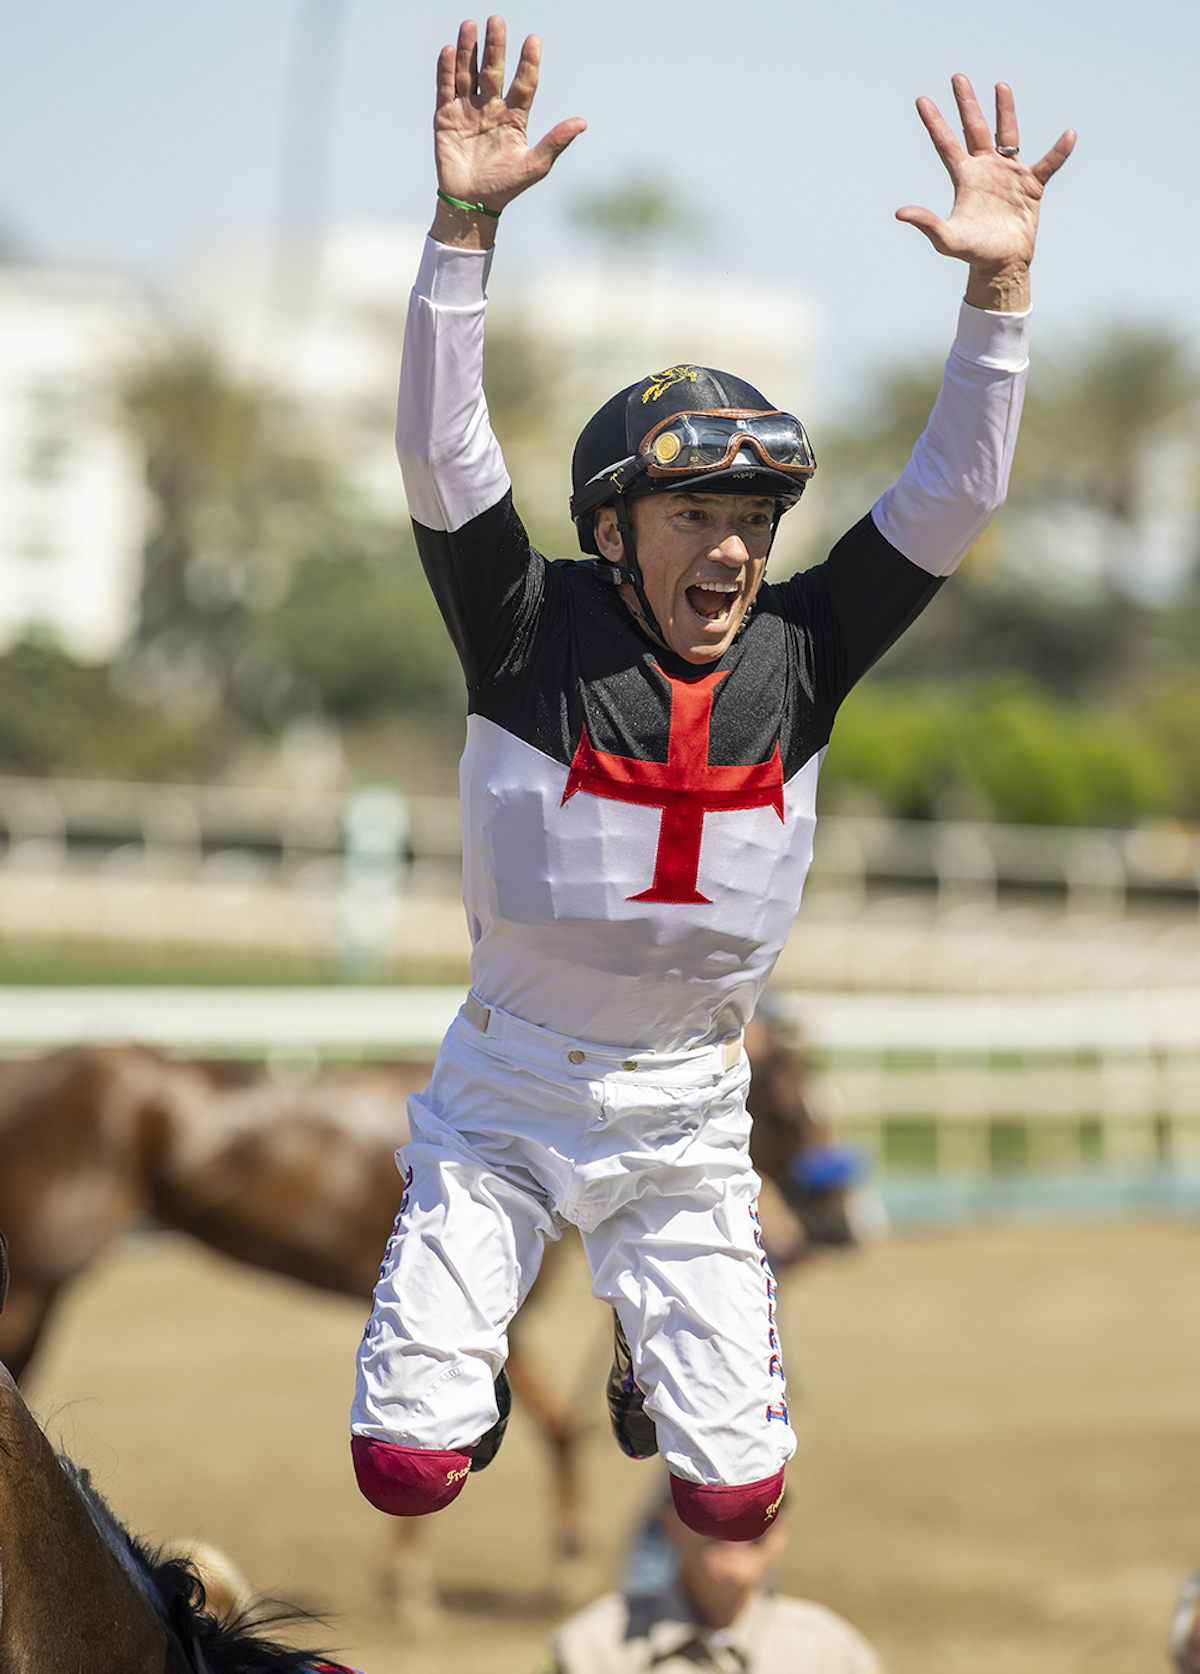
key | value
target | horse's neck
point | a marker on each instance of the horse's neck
(59, 1576)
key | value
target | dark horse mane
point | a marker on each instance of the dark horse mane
(207, 1644)
(230, 1645)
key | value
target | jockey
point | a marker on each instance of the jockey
(638, 793)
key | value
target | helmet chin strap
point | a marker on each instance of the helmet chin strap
(630, 571)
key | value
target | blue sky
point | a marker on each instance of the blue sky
(132, 132)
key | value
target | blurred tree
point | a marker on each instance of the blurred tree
(362, 632)
(864, 454)
(867, 452)
(527, 384)
(1094, 417)
(1039, 762)
(1172, 713)
(634, 215)
(60, 716)
(268, 590)
(236, 500)
(1081, 649)
(1093, 420)
(898, 744)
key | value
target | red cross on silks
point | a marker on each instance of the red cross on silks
(685, 787)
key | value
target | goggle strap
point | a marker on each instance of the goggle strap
(613, 480)
(633, 570)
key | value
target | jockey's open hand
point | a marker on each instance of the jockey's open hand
(483, 154)
(993, 223)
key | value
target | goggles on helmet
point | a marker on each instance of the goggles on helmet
(700, 444)
(707, 441)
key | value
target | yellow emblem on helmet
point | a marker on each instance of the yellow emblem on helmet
(662, 381)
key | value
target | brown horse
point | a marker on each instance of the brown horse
(299, 1180)
(807, 1178)
(78, 1592)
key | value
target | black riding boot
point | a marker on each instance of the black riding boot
(633, 1429)
(488, 1445)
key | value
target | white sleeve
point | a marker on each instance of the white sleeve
(452, 465)
(957, 477)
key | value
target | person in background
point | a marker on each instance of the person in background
(717, 1614)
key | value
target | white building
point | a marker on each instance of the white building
(614, 323)
(72, 501)
(327, 326)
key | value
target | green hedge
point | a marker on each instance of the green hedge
(1016, 753)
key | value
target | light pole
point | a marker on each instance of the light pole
(309, 102)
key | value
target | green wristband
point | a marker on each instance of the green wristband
(479, 208)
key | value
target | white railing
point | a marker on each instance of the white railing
(928, 1082)
(357, 1022)
(965, 1084)
(377, 1020)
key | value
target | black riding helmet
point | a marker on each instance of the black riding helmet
(687, 427)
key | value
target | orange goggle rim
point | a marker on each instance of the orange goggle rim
(738, 436)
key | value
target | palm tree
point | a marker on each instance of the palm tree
(1095, 420)
(634, 215)
(235, 497)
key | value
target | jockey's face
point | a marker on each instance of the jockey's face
(702, 558)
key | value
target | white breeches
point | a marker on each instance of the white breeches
(522, 1130)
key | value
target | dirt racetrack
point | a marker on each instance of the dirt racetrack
(999, 1465)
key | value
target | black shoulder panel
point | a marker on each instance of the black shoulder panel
(549, 649)
(488, 581)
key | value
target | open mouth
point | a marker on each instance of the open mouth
(712, 601)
